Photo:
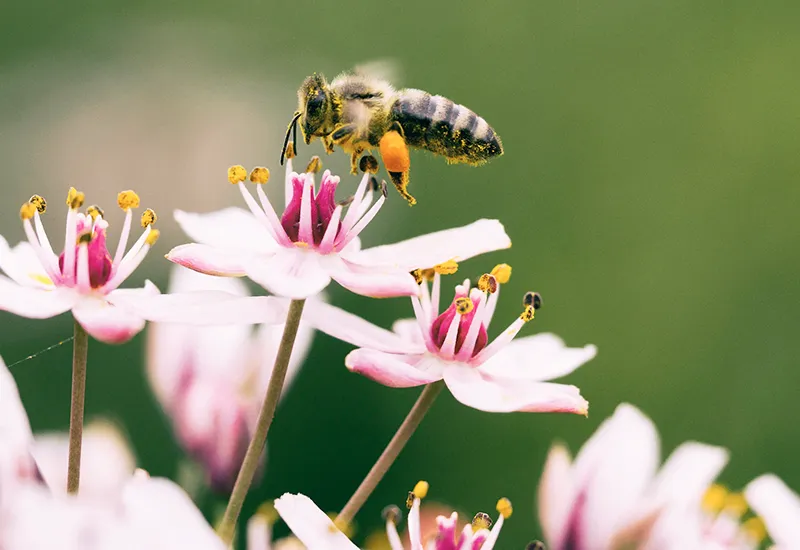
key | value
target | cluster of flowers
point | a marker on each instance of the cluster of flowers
(219, 381)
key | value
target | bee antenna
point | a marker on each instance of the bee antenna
(292, 129)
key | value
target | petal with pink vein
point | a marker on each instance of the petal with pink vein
(393, 370)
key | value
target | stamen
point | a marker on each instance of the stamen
(527, 314)
(368, 163)
(148, 217)
(39, 202)
(755, 529)
(447, 268)
(535, 545)
(533, 299)
(123, 237)
(736, 504)
(502, 272)
(392, 514)
(436, 289)
(152, 237)
(421, 489)
(94, 211)
(714, 498)
(345, 527)
(481, 521)
(290, 154)
(268, 512)
(259, 175)
(391, 517)
(464, 305)
(356, 230)
(128, 199)
(488, 283)
(273, 223)
(75, 198)
(352, 213)
(314, 165)
(410, 500)
(82, 276)
(85, 238)
(504, 507)
(26, 211)
(237, 174)
(417, 274)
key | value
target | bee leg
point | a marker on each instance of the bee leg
(327, 142)
(354, 160)
(400, 181)
(343, 133)
(396, 158)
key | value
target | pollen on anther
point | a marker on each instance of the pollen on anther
(504, 507)
(714, 498)
(421, 489)
(392, 514)
(39, 202)
(755, 529)
(314, 165)
(259, 175)
(290, 154)
(237, 174)
(488, 283)
(94, 211)
(75, 198)
(528, 314)
(368, 163)
(464, 305)
(152, 237)
(148, 217)
(27, 210)
(128, 199)
(446, 268)
(481, 521)
(417, 274)
(85, 238)
(502, 272)
(268, 512)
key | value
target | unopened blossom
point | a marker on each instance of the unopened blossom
(211, 380)
(317, 532)
(503, 375)
(614, 496)
(84, 277)
(316, 239)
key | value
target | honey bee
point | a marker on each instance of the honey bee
(359, 112)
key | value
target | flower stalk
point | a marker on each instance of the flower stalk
(227, 527)
(80, 346)
(391, 452)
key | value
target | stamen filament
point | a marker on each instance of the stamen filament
(253, 205)
(40, 252)
(123, 238)
(69, 246)
(497, 344)
(436, 290)
(365, 202)
(127, 266)
(424, 324)
(82, 277)
(52, 265)
(449, 345)
(362, 223)
(493, 534)
(474, 328)
(425, 300)
(288, 190)
(491, 305)
(352, 211)
(394, 538)
(328, 239)
(305, 232)
(137, 246)
(274, 226)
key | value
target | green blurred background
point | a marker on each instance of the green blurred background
(649, 185)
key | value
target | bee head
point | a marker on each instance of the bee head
(317, 105)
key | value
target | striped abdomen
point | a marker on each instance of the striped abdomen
(437, 124)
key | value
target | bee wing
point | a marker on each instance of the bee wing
(388, 70)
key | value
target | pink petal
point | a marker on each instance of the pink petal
(259, 533)
(779, 507)
(374, 282)
(409, 330)
(310, 524)
(395, 371)
(106, 322)
(354, 330)
(210, 307)
(34, 303)
(498, 395)
(22, 265)
(15, 430)
(434, 248)
(210, 260)
(556, 496)
(539, 357)
(228, 229)
(291, 272)
(687, 473)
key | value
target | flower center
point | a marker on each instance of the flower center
(725, 512)
(322, 205)
(466, 308)
(100, 262)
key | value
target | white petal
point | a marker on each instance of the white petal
(390, 369)
(259, 533)
(22, 265)
(291, 272)
(539, 357)
(409, 330)
(15, 430)
(688, 472)
(611, 472)
(34, 303)
(354, 330)
(434, 248)
(310, 524)
(556, 495)
(229, 228)
(222, 262)
(779, 507)
(105, 321)
(375, 282)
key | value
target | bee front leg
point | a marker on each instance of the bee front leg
(355, 160)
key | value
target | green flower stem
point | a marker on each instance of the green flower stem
(391, 452)
(227, 527)
(80, 346)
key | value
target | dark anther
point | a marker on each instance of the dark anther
(392, 513)
(532, 299)
(535, 545)
(368, 163)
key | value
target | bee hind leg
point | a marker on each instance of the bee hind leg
(396, 158)
(400, 181)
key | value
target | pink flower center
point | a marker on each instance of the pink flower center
(441, 325)
(100, 262)
(322, 206)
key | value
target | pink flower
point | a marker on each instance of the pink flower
(498, 376)
(317, 532)
(85, 277)
(211, 380)
(614, 496)
(315, 240)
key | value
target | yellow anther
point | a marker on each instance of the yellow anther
(343, 526)
(464, 305)
(27, 210)
(368, 163)
(148, 217)
(268, 512)
(39, 202)
(237, 174)
(502, 272)
(755, 529)
(290, 154)
(528, 314)
(259, 175)
(427, 274)
(488, 283)
(94, 211)
(75, 198)
(714, 498)
(504, 507)
(421, 489)
(128, 199)
(152, 237)
(481, 521)
(314, 165)
(417, 274)
(736, 504)
(447, 268)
